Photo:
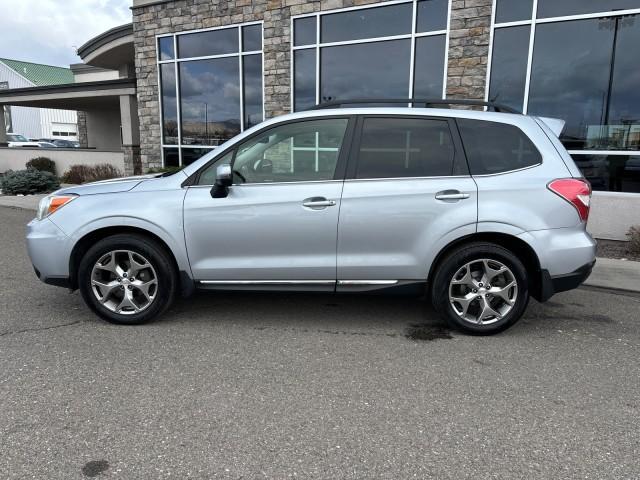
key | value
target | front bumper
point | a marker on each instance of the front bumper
(49, 250)
(562, 283)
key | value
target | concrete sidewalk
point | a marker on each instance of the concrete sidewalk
(608, 273)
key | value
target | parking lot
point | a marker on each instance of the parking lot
(311, 386)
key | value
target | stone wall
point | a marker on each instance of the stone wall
(468, 48)
(83, 137)
(467, 52)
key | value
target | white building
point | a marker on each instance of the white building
(36, 123)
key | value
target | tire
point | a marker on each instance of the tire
(106, 286)
(507, 299)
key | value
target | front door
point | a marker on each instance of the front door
(278, 223)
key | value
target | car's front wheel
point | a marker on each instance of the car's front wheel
(480, 288)
(127, 279)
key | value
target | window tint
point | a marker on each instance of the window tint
(208, 175)
(555, 8)
(304, 31)
(430, 53)
(294, 152)
(496, 147)
(214, 42)
(366, 23)
(251, 38)
(405, 147)
(165, 45)
(304, 95)
(432, 15)
(509, 66)
(513, 10)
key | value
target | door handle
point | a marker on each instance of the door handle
(318, 202)
(451, 195)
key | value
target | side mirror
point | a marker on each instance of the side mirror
(224, 179)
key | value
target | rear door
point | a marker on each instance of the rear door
(407, 193)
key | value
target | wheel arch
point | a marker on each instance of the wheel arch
(90, 238)
(517, 246)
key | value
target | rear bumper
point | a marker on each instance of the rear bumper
(562, 283)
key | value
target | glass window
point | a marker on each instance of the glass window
(379, 70)
(556, 8)
(190, 155)
(252, 38)
(367, 23)
(304, 31)
(432, 15)
(429, 66)
(304, 62)
(294, 152)
(405, 147)
(165, 47)
(171, 157)
(613, 173)
(623, 112)
(513, 10)
(570, 79)
(509, 66)
(493, 147)
(208, 175)
(210, 101)
(252, 79)
(169, 104)
(213, 42)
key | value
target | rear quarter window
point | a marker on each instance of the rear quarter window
(493, 147)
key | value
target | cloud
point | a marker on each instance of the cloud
(49, 31)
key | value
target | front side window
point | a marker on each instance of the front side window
(405, 147)
(493, 147)
(295, 152)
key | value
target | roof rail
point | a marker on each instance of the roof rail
(428, 103)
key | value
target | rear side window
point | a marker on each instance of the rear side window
(493, 147)
(405, 147)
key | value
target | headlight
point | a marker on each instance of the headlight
(51, 203)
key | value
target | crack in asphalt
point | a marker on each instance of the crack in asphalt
(39, 329)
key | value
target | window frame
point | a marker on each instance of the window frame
(460, 165)
(412, 36)
(532, 23)
(176, 61)
(341, 166)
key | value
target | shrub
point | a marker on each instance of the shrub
(634, 240)
(43, 164)
(85, 173)
(27, 182)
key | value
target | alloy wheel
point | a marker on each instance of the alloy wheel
(483, 291)
(124, 282)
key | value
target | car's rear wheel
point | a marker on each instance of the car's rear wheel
(480, 288)
(127, 279)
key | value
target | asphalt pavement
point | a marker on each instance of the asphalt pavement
(312, 386)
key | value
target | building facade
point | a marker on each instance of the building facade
(36, 123)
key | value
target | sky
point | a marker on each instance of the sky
(49, 31)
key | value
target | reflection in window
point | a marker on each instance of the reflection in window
(509, 66)
(304, 31)
(252, 38)
(403, 147)
(429, 65)
(210, 101)
(513, 10)
(169, 105)
(584, 83)
(252, 77)
(171, 157)
(432, 15)
(165, 46)
(378, 70)
(213, 42)
(291, 153)
(190, 155)
(614, 173)
(559, 8)
(366, 23)
(304, 95)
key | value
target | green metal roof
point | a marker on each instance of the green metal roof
(40, 75)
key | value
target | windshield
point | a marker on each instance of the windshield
(16, 138)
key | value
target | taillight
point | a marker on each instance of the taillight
(576, 191)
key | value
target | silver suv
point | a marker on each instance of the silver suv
(477, 210)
